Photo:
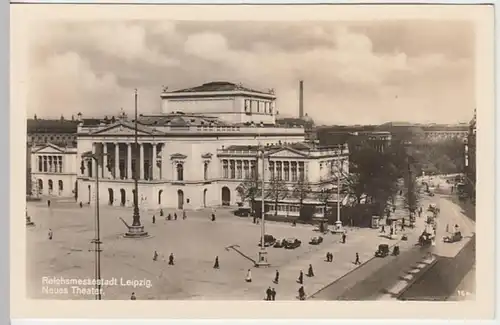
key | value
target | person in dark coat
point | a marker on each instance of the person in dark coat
(50, 234)
(171, 259)
(344, 236)
(175, 216)
(132, 296)
(357, 262)
(273, 294)
(213, 216)
(302, 293)
(81, 204)
(216, 264)
(184, 215)
(310, 271)
(269, 292)
(383, 229)
(155, 256)
(169, 217)
(154, 219)
(48, 203)
(161, 212)
(277, 277)
(301, 277)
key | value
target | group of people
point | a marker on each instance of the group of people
(170, 258)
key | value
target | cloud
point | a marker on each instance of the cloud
(354, 72)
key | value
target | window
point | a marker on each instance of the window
(205, 171)
(40, 163)
(60, 164)
(61, 187)
(301, 170)
(225, 170)
(239, 170)
(45, 164)
(271, 169)
(279, 171)
(232, 169)
(294, 171)
(247, 105)
(253, 169)
(286, 167)
(246, 168)
(180, 172)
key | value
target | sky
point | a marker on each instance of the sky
(353, 72)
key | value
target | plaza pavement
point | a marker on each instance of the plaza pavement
(194, 242)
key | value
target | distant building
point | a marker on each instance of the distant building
(53, 170)
(470, 158)
(355, 136)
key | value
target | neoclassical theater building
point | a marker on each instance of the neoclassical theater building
(196, 151)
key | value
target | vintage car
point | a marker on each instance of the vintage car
(292, 243)
(425, 238)
(382, 251)
(432, 207)
(316, 240)
(280, 243)
(456, 237)
(269, 240)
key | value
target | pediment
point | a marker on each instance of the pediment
(287, 153)
(125, 129)
(178, 156)
(49, 148)
(207, 155)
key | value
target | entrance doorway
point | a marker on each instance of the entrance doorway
(123, 197)
(159, 196)
(226, 196)
(180, 199)
(205, 198)
(111, 196)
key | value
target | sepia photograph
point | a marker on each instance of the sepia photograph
(314, 160)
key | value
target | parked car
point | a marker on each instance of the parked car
(279, 243)
(382, 251)
(316, 240)
(292, 243)
(269, 240)
(456, 237)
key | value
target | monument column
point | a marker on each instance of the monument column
(141, 161)
(153, 162)
(117, 161)
(129, 161)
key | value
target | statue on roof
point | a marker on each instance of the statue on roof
(271, 91)
(164, 89)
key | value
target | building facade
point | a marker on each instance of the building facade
(182, 159)
(53, 171)
(470, 158)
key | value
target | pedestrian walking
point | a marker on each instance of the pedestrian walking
(357, 262)
(216, 264)
(213, 216)
(302, 293)
(277, 277)
(328, 256)
(155, 256)
(50, 234)
(154, 219)
(175, 216)
(184, 215)
(132, 296)
(301, 277)
(382, 230)
(81, 204)
(273, 294)
(169, 217)
(310, 272)
(161, 212)
(269, 293)
(48, 203)
(393, 209)
(344, 236)
(171, 259)
(249, 276)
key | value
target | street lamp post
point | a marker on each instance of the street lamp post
(262, 262)
(338, 223)
(97, 240)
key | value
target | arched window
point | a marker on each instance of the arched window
(51, 185)
(205, 171)
(180, 172)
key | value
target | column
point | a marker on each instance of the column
(153, 162)
(94, 167)
(129, 161)
(104, 160)
(141, 161)
(282, 170)
(117, 160)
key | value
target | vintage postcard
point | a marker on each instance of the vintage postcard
(317, 161)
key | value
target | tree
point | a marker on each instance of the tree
(324, 196)
(301, 189)
(277, 190)
(249, 190)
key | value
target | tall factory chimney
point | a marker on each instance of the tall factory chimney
(301, 99)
